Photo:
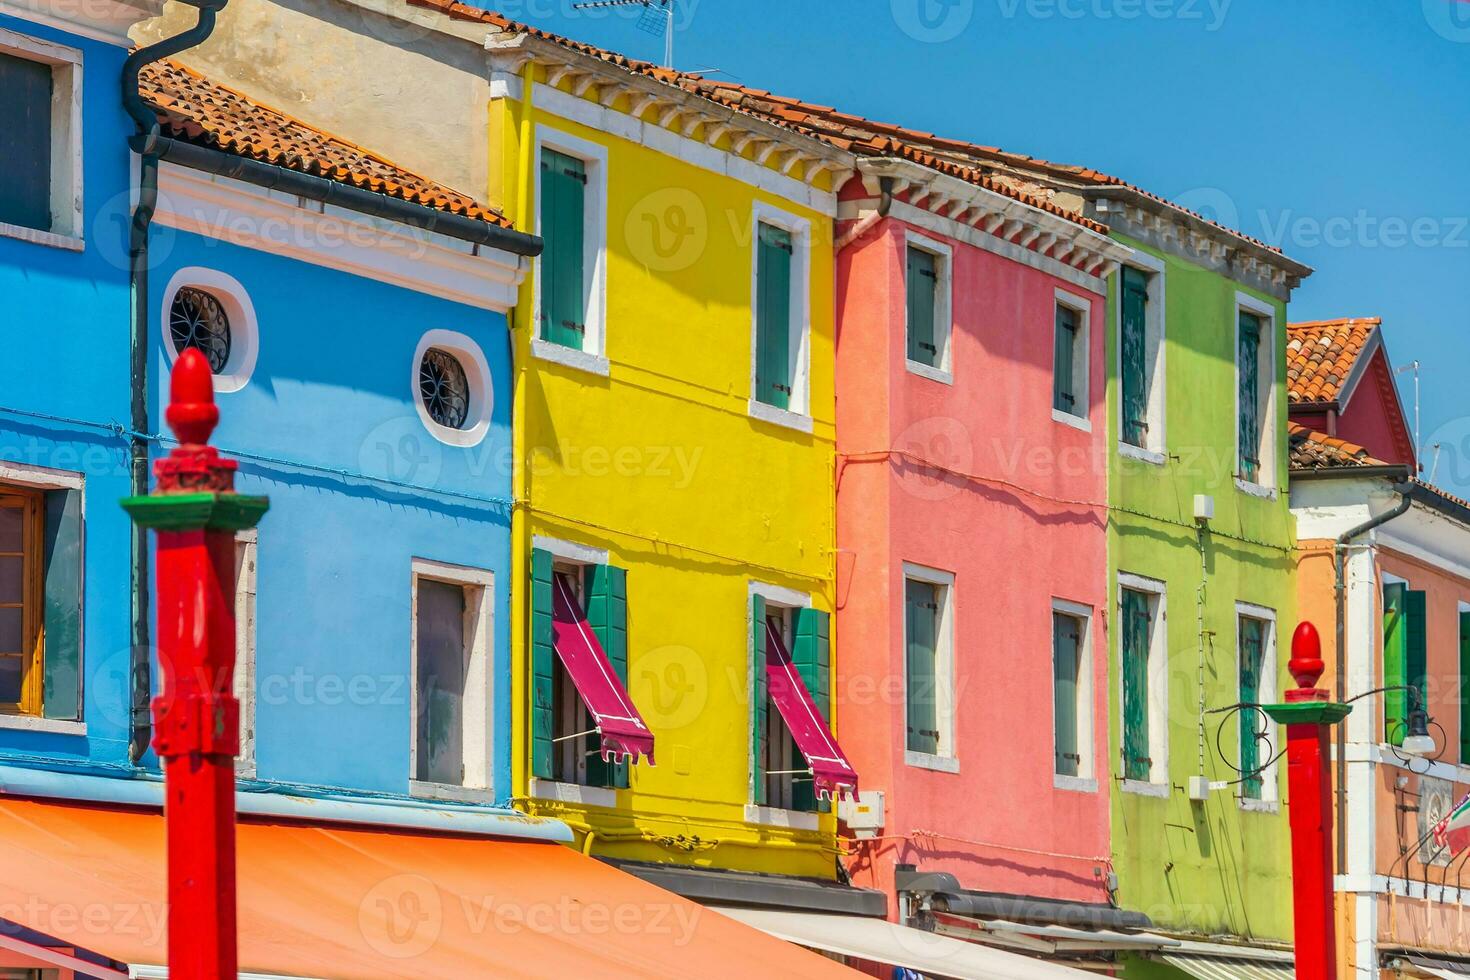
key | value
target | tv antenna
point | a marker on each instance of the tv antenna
(657, 19)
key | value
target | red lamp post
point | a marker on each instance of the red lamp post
(1309, 715)
(196, 718)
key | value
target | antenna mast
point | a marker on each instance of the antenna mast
(657, 19)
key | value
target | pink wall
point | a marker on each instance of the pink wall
(1011, 504)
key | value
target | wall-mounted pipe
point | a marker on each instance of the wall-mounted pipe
(864, 225)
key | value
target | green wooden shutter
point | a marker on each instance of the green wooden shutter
(759, 703)
(1134, 343)
(63, 608)
(1136, 628)
(922, 282)
(1066, 640)
(1416, 647)
(1248, 365)
(1064, 380)
(563, 228)
(25, 142)
(1395, 656)
(921, 615)
(812, 655)
(607, 613)
(773, 317)
(1252, 644)
(543, 666)
(1465, 687)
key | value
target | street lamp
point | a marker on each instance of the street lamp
(1418, 742)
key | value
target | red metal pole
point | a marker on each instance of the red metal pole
(196, 513)
(1308, 715)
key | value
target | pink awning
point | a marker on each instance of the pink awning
(624, 735)
(831, 771)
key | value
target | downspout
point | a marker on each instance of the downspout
(140, 682)
(1339, 588)
(885, 203)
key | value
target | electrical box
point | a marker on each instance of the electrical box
(1204, 508)
(864, 815)
(1199, 788)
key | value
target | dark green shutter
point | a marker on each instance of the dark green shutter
(25, 142)
(543, 666)
(922, 282)
(1465, 687)
(1252, 652)
(1134, 341)
(759, 703)
(921, 615)
(1066, 642)
(1064, 380)
(1136, 627)
(607, 613)
(1395, 662)
(563, 227)
(773, 317)
(63, 611)
(1248, 363)
(812, 655)
(1416, 647)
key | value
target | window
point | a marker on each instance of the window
(1255, 641)
(40, 600)
(928, 670)
(1145, 684)
(212, 313)
(779, 300)
(1071, 695)
(571, 272)
(1255, 352)
(1464, 682)
(452, 633)
(1069, 399)
(1140, 357)
(453, 391)
(927, 283)
(1405, 656)
(244, 679)
(40, 140)
(197, 319)
(444, 388)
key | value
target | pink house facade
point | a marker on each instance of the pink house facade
(972, 529)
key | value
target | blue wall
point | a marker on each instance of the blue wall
(358, 488)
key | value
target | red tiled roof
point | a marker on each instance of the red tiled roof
(198, 110)
(1313, 450)
(1321, 355)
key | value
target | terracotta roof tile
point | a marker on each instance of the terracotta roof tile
(1321, 354)
(197, 110)
(1313, 450)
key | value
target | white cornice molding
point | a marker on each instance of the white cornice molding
(99, 20)
(385, 251)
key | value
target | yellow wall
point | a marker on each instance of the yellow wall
(661, 465)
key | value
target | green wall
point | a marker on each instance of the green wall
(1209, 868)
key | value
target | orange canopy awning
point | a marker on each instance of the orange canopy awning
(350, 902)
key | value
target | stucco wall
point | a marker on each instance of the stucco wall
(1013, 505)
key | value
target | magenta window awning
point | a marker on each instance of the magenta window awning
(624, 735)
(831, 771)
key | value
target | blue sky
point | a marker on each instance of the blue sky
(1338, 130)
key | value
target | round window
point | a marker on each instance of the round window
(444, 388)
(198, 320)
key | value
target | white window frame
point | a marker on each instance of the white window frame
(479, 697)
(66, 229)
(943, 307)
(592, 358)
(477, 373)
(247, 559)
(798, 416)
(244, 327)
(1158, 684)
(779, 597)
(1265, 486)
(1081, 360)
(1086, 779)
(1270, 800)
(946, 759)
(1154, 349)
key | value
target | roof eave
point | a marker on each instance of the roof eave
(1389, 471)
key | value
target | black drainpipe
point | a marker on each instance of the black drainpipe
(140, 682)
